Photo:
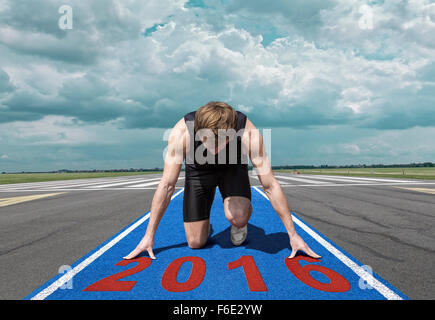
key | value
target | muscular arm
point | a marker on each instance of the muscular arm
(253, 142)
(173, 161)
(261, 163)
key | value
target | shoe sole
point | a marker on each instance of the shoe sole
(238, 243)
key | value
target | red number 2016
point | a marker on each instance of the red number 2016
(253, 277)
(337, 282)
(111, 283)
(169, 279)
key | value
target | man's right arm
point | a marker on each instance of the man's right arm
(173, 161)
(260, 161)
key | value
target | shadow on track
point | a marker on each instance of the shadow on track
(256, 240)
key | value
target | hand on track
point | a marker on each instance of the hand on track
(146, 244)
(297, 243)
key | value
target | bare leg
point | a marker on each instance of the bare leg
(197, 233)
(238, 210)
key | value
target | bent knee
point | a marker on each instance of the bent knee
(239, 222)
(195, 243)
(239, 217)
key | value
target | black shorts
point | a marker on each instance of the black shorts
(200, 187)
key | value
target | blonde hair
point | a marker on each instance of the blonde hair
(216, 115)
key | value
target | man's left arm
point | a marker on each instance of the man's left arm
(253, 143)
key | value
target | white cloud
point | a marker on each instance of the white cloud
(189, 62)
(244, 108)
(322, 69)
(351, 148)
(54, 130)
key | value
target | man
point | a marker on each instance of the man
(227, 137)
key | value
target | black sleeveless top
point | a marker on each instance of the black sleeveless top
(222, 161)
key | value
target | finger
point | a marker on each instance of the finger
(150, 252)
(293, 254)
(133, 254)
(312, 254)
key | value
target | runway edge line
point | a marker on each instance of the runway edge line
(353, 264)
(51, 286)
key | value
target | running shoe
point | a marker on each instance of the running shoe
(238, 235)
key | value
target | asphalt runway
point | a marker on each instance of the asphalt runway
(388, 224)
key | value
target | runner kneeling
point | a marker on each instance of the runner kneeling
(215, 142)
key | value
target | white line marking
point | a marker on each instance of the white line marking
(55, 183)
(141, 185)
(84, 189)
(373, 179)
(380, 287)
(67, 183)
(337, 179)
(280, 182)
(125, 182)
(357, 184)
(95, 184)
(147, 184)
(70, 274)
(302, 180)
(282, 185)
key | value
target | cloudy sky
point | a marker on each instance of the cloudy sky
(336, 81)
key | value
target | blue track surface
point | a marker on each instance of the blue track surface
(264, 267)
